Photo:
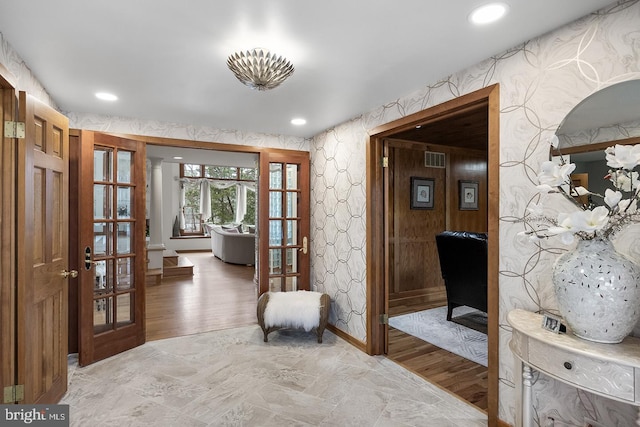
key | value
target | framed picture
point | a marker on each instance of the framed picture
(553, 324)
(468, 195)
(422, 193)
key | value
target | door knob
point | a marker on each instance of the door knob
(72, 273)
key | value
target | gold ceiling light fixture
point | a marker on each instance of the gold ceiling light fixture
(259, 69)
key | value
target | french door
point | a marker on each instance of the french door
(111, 240)
(284, 221)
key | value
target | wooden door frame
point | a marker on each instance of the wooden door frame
(8, 282)
(376, 281)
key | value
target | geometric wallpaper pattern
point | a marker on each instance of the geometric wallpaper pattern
(540, 82)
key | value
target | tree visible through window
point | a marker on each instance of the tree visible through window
(224, 184)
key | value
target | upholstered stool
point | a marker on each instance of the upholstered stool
(298, 309)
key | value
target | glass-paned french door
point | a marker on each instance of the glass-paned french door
(284, 197)
(112, 243)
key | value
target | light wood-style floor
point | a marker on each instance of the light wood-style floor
(218, 296)
(222, 296)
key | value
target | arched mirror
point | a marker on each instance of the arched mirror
(607, 117)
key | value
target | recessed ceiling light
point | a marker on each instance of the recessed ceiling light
(488, 13)
(298, 122)
(177, 157)
(106, 96)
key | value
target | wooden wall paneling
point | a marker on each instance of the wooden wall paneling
(469, 166)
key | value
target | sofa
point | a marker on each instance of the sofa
(231, 245)
(463, 263)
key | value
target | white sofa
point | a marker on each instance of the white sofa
(232, 246)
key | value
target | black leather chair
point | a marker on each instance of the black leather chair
(463, 262)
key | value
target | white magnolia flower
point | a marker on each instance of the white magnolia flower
(602, 216)
(624, 181)
(554, 175)
(622, 205)
(580, 191)
(623, 156)
(590, 220)
(612, 198)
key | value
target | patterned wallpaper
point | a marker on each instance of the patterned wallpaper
(540, 82)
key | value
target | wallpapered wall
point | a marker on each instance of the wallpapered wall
(540, 82)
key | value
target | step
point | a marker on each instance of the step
(153, 276)
(183, 267)
(169, 258)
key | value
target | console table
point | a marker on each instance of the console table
(609, 370)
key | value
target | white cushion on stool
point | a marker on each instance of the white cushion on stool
(300, 309)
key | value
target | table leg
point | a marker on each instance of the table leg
(527, 383)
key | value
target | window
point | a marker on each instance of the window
(232, 196)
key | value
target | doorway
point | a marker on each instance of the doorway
(292, 206)
(378, 283)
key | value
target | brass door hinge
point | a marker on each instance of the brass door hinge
(14, 393)
(14, 129)
(385, 162)
(384, 319)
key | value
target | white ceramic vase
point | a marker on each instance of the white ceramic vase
(598, 291)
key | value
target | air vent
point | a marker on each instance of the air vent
(434, 160)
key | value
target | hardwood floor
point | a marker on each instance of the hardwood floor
(218, 296)
(462, 377)
(222, 296)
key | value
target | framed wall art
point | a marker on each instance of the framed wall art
(468, 191)
(422, 193)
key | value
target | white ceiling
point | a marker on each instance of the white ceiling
(166, 60)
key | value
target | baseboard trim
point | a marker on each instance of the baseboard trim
(348, 338)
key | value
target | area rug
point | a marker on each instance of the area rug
(432, 326)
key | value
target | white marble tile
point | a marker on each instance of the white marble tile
(233, 378)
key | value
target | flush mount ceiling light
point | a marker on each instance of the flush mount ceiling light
(488, 13)
(259, 69)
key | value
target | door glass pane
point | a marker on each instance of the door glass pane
(292, 232)
(292, 260)
(291, 283)
(124, 273)
(124, 166)
(292, 177)
(125, 309)
(275, 284)
(125, 202)
(102, 201)
(102, 283)
(292, 204)
(103, 314)
(102, 239)
(275, 233)
(275, 261)
(102, 170)
(275, 175)
(275, 204)
(125, 238)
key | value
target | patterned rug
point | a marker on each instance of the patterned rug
(432, 326)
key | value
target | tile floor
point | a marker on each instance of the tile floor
(233, 378)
